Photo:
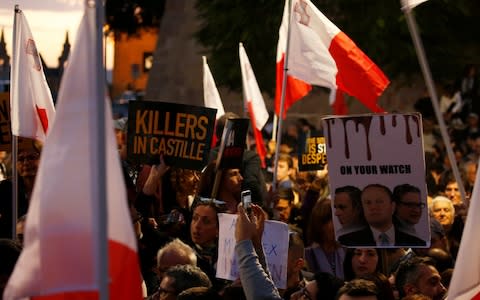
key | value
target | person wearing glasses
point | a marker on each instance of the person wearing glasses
(378, 208)
(178, 279)
(28, 159)
(409, 207)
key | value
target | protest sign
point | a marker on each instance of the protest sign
(312, 154)
(182, 133)
(5, 127)
(275, 246)
(379, 155)
(234, 138)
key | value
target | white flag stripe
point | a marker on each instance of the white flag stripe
(252, 91)
(211, 96)
(465, 283)
(409, 4)
(60, 254)
(32, 110)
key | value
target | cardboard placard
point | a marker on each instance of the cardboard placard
(182, 133)
(312, 155)
(386, 151)
(275, 246)
(234, 139)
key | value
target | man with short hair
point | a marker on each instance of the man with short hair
(378, 208)
(295, 264)
(174, 253)
(409, 207)
(348, 209)
(179, 278)
(418, 275)
(284, 204)
(360, 289)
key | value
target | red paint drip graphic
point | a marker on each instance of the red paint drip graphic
(42, 114)
(365, 122)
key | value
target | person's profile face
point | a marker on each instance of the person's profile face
(429, 283)
(284, 208)
(378, 207)
(409, 208)
(283, 171)
(344, 210)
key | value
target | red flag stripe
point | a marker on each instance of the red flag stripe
(261, 149)
(296, 89)
(355, 69)
(42, 115)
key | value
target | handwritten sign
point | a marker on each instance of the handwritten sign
(313, 155)
(385, 150)
(182, 133)
(275, 246)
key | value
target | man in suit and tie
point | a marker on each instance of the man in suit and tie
(378, 209)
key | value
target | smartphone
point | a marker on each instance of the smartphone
(247, 200)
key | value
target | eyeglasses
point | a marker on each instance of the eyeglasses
(28, 157)
(412, 204)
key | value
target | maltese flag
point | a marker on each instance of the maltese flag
(465, 283)
(32, 110)
(321, 54)
(59, 259)
(255, 103)
(211, 97)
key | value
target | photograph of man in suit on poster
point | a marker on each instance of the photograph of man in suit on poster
(378, 209)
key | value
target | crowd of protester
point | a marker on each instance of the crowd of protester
(177, 226)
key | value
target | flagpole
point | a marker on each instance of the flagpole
(14, 137)
(100, 181)
(282, 102)
(274, 129)
(412, 26)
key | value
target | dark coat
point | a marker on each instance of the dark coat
(364, 237)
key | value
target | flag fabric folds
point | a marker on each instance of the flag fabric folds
(59, 258)
(255, 104)
(465, 283)
(320, 54)
(211, 97)
(339, 106)
(409, 4)
(295, 89)
(32, 110)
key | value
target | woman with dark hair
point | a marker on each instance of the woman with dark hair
(361, 262)
(324, 253)
(204, 229)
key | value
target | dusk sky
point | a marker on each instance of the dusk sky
(49, 21)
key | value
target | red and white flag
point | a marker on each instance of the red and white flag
(409, 4)
(59, 259)
(32, 110)
(211, 97)
(321, 54)
(465, 283)
(255, 104)
(296, 89)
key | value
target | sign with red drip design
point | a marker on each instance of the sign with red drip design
(376, 169)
